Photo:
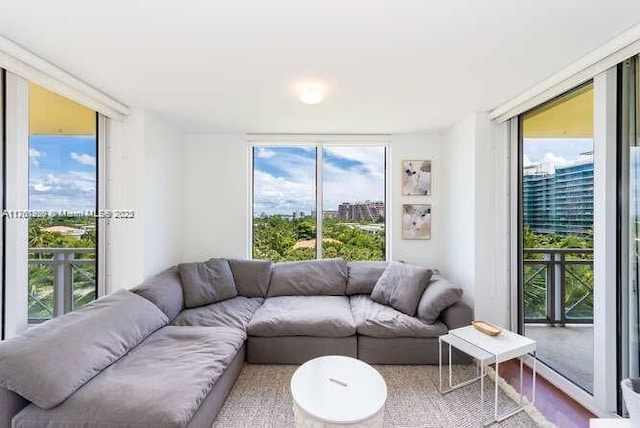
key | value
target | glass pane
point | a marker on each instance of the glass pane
(284, 203)
(353, 202)
(62, 203)
(557, 208)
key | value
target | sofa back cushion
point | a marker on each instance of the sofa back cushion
(363, 276)
(251, 276)
(49, 362)
(401, 286)
(163, 290)
(207, 282)
(309, 278)
(438, 296)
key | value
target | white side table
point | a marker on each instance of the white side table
(338, 391)
(487, 350)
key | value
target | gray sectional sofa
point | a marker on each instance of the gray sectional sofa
(167, 353)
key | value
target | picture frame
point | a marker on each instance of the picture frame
(416, 221)
(416, 178)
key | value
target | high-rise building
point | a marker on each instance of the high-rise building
(367, 210)
(560, 199)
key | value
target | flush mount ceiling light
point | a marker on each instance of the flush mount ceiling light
(311, 96)
(311, 92)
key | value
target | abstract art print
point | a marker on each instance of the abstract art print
(416, 178)
(416, 221)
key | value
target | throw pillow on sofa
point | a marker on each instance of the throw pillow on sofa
(401, 286)
(438, 296)
(207, 282)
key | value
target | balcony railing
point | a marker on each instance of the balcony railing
(558, 285)
(60, 280)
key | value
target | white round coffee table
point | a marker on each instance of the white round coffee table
(338, 391)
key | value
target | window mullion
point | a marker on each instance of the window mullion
(319, 211)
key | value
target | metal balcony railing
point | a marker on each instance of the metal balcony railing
(60, 280)
(558, 285)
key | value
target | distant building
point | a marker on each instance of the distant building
(559, 199)
(330, 214)
(367, 210)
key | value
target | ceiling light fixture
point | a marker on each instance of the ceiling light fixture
(311, 92)
(311, 96)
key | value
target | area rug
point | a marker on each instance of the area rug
(261, 398)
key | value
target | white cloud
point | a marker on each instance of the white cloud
(553, 159)
(264, 153)
(526, 161)
(34, 155)
(73, 190)
(281, 195)
(84, 158)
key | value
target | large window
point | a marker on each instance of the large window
(291, 184)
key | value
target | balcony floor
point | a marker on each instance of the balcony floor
(568, 350)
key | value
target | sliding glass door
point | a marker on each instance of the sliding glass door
(557, 211)
(62, 225)
(50, 204)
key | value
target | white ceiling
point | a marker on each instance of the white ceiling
(392, 66)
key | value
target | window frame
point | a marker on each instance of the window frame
(319, 143)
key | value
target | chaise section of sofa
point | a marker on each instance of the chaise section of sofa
(48, 363)
(161, 383)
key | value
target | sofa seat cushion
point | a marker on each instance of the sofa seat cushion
(48, 363)
(320, 316)
(236, 312)
(377, 320)
(161, 383)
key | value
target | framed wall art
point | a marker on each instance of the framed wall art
(416, 178)
(416, 221)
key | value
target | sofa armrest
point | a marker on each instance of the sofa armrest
(457, 315)
(10, 404)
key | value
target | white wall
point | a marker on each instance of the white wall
(164, 213)
(216, 197)
(476, 220)
(216, 186)
(421, 252)
(459, 206)
(144, 174)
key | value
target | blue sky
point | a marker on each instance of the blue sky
(284, 177)
(557, 150)
(62, 172)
